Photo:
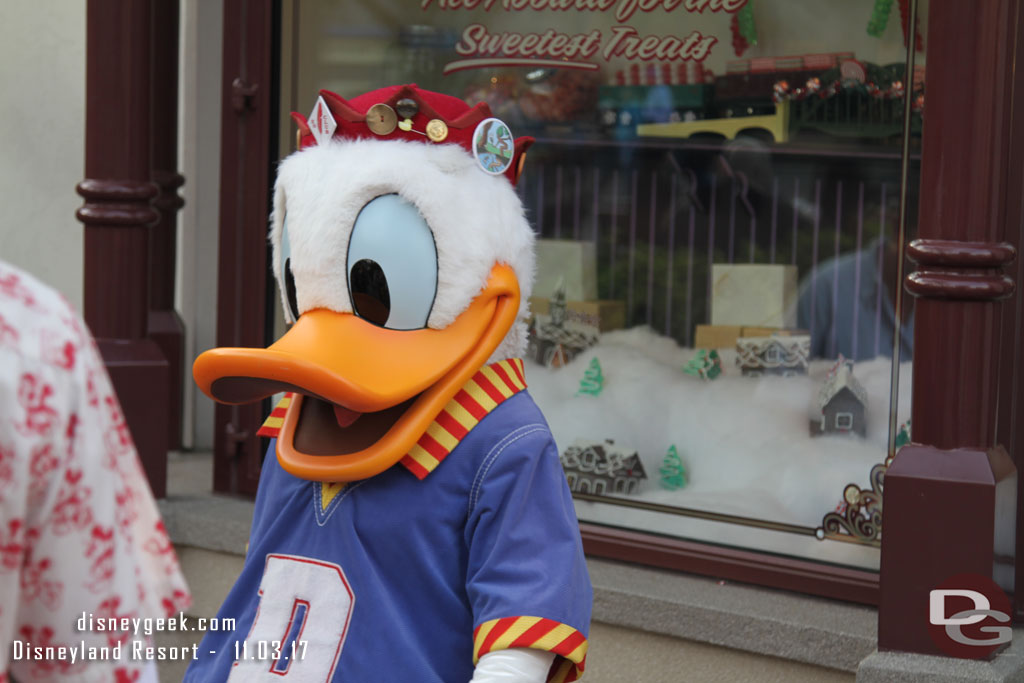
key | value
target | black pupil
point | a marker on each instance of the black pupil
(289, 289)
(370, 296)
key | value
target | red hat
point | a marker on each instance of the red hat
(405, 112)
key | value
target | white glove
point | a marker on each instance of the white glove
(515, 665)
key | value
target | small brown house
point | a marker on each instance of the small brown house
(556, 338)
(602, 468)
(774, 355)
(842, 402)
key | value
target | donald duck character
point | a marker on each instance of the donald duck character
(412, 521)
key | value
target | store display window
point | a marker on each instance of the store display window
(721, 191)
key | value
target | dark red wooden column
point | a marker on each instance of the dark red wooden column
(165, 326)
(939, 495)
(248, 113)
(1011, 368)
(117, 215)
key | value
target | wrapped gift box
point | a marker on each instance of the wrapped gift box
(754, 295)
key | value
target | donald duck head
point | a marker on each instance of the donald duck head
(404, 261)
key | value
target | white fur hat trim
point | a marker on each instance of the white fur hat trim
(477, 221)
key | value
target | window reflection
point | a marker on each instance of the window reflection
(847, 302)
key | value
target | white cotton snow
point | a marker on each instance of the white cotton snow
(745, 441)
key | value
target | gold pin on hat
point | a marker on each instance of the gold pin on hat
(407, 107)
(437, 130)
(381, 119)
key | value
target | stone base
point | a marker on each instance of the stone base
(905, 667)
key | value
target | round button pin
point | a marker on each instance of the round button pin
(493, 146)
(407, 107)
(381, 119)
(437, 130)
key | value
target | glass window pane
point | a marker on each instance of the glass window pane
(717, 191)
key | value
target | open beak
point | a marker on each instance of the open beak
(365, 393)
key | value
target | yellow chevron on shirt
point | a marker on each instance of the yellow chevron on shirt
(328, 490)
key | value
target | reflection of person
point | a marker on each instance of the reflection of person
(847, 304)
(79, 530)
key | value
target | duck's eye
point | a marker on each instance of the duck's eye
(287, 279)
(370, 295)
(289, 290)
(392, 265)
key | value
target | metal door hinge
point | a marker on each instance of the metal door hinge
(243, 95)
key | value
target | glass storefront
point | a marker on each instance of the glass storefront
(721, 190)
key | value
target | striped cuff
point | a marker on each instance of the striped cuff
(542, 634)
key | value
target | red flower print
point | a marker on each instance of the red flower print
(12, 545)
(43, 637)
(35, 585)
(43, 462)
(8, 335)
(178, 602)
(160, 545)
(12, 288)
(6, 468)
(124, 675)
(58, 350)
(73, 509)
(127, 511)
(33, 395)
(100, 552)
(111, 609)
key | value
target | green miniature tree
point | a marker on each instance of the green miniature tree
(593, 379)
(903, 436)
(705, 364)
(673, 471)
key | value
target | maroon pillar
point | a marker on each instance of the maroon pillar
(1011, 368)
(165, 326)
(116, 214)
(939, 507)
(248, 108)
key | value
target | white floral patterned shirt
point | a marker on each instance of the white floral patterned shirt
(79, 530)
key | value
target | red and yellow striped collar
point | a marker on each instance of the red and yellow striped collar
(484, 392)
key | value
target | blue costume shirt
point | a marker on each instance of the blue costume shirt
(397, 578)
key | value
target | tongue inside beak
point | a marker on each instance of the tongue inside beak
(344, 416)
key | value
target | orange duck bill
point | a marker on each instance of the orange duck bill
(364, 394)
